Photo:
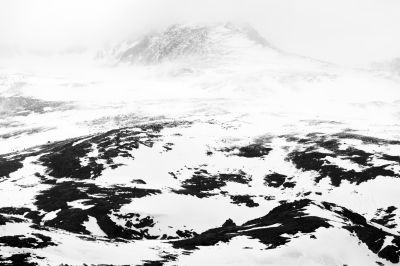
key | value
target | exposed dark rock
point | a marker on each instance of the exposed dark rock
(14, 210)
(253, 150)
(385, 217)
(7, 219)
(315, 161)
(311, 159)
(200, 186)
(168, 146)
(244, 199)
(277, 180)
(229, 223)
(166, 257)
(71, 219)
(391, 158)
(20, 259)
(249, 151)
(202, 183)
(138, 181)
(20, 241)
(240, 177)
(172, 174)
(391, 253)
(8, 166)
(185, 233)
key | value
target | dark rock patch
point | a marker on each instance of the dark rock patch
(315, 161)
(138, 181)
(186, 233)
(269, 197)
(240, 177)
(311, 159)
(200, 186)
(104, 201)
(14, 210)
(244, 199)
(64, 161)
(20, 259)
(20, 241)
(391, 158)
(390, 253)
(277, 180)
(8, 166)
(168, 146)
(6, 219)
(141, 222)
(12, 215)
(173, 175)
(253, 150)
(385, 217)
(202, 183)
(249, 151)
(229, 223)
(165, 257)
(274, 180)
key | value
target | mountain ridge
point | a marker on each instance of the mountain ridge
(187, 40)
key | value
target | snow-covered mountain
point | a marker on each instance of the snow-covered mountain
(203, 41)
(201, 144)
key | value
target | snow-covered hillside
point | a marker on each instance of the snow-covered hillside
(202, 144)
(203, 41)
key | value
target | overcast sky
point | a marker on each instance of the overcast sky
(350, 32)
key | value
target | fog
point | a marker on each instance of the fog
(348, 32)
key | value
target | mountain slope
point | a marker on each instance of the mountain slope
(188, 40)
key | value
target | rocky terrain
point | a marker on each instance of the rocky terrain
(255, 170)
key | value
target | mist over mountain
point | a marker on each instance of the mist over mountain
(188, 40)
(389, 66)
(194, 143)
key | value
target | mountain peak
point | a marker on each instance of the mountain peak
(189, 40)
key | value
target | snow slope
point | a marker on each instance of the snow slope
(199, 144)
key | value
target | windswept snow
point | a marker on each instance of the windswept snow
(198, 145)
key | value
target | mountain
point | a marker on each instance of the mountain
(201, 144)
(188, 40)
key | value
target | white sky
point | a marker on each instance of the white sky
(349, 32)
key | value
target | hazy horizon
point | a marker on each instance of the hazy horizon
(353, 33)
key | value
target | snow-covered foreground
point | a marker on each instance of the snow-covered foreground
(139, 193)
(252, 157)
